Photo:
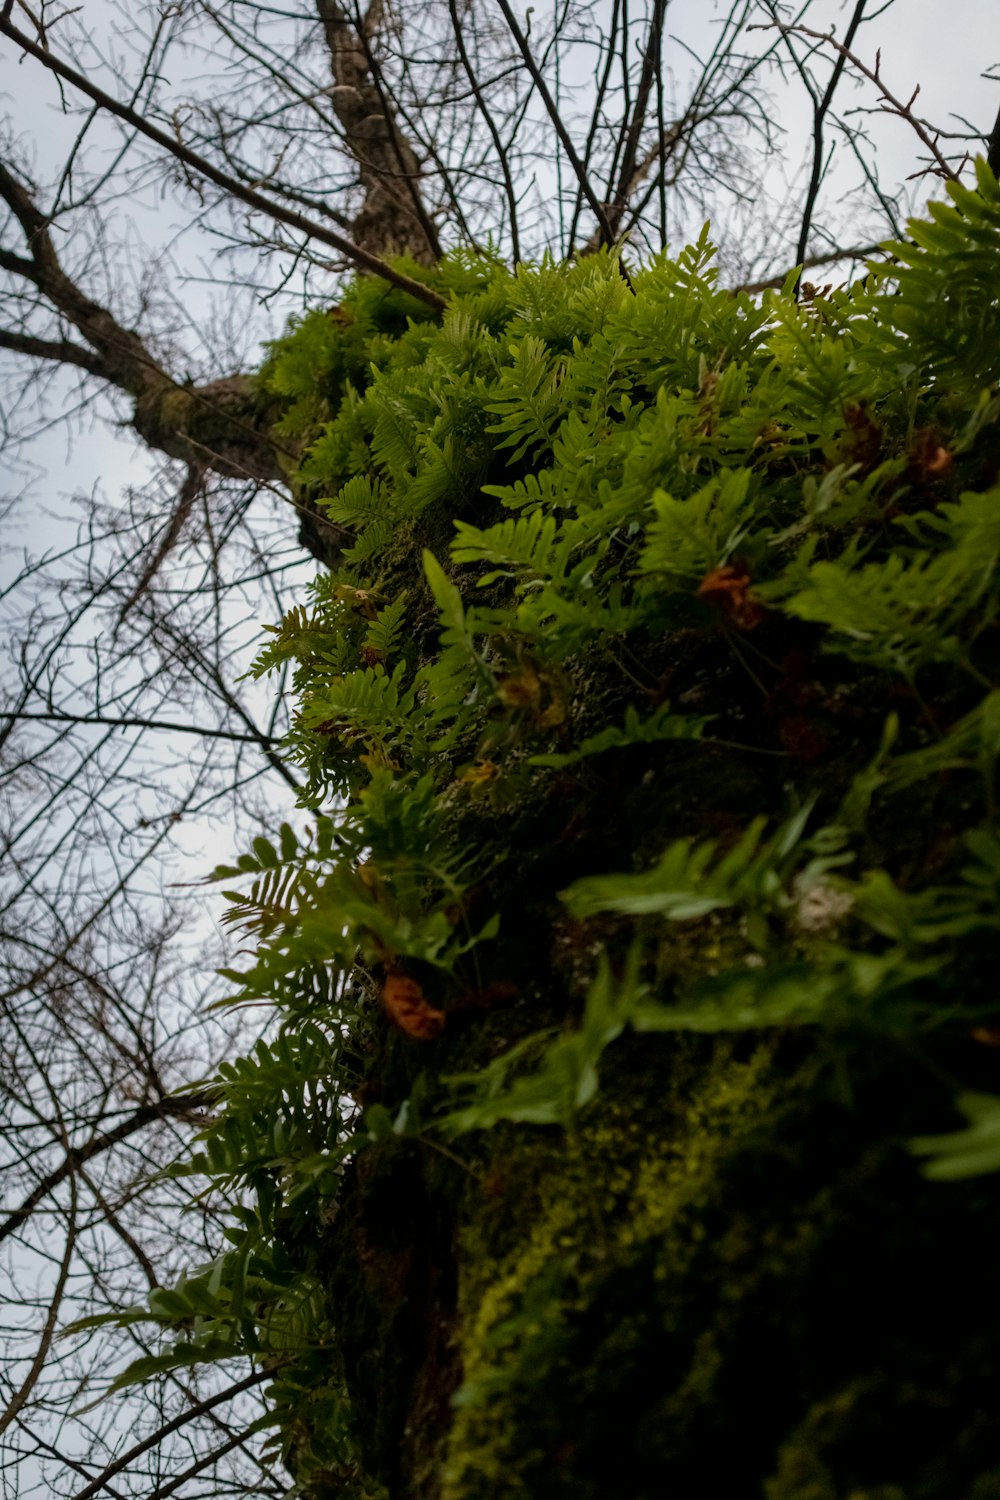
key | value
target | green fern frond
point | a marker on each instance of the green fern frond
(386, 630)
(527, 398)
(530, 546)
(356, 503)
(964, 1153)
(690, 880)
(661, 725)
(690, 537)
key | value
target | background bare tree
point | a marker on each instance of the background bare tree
(292, 144)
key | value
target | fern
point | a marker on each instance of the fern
(935, 318)
(691, 880)
(964, 1153)
(909, 611)
(357, 503)
(385, 634)
(662, 725)
(972, 744)
(690, 537)
(461, 676)
(530, 547)
(536, 487)
(567, 1079)
(528, 398)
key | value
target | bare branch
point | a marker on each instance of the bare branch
(829, 257)
(647, 77)
(20, 1397)
(821, 108)
(393, 216)
(357, 254)
(993, 147)
(175, 1107)
(124, 358)
(892, 104)
(100, 1482)
(599, 211)
(60, 351)
(491, 125)
(201, 730)
(190, 490)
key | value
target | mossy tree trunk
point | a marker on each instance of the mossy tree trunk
(645, 932)
(729, 1278)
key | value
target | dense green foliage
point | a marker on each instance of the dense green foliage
(641, 942)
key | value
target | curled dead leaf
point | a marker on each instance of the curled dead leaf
(728, 588)
(930, 456)
(404, 1004)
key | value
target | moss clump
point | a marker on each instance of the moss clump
(664, 1304)
(563, 1227)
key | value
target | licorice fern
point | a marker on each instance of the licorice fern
(718, 572)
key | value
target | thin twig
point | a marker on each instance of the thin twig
(607, 233)
(100, 1481)
(176, 1107)
(821, 108)
(29, 1382)
(128, 723)
(491, 126)
(874, 75)
(829, 257)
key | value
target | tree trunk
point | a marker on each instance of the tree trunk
(729, 1280)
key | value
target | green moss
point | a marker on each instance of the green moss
(564, 1225)
(662, 1305)
(930, 1439)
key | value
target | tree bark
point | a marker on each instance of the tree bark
(393, 217)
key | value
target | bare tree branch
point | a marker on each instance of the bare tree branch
(647, 77)
(891, 103)
(811, 262)
(60, 351)
(491, 125)
(599, 211)
(100, 1482)
(189, 492)
(357, 254)
(181, 1107)
(23, 1392)
(993, 147)
(201, 730)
